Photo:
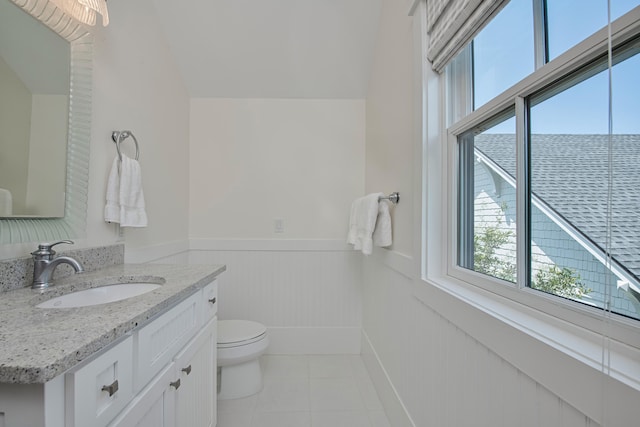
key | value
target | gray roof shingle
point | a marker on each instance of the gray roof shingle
(570, 174)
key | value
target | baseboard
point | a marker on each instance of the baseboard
(393, 406)
(314, 340)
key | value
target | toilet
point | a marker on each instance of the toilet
(240, 344)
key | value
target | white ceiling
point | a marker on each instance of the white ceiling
(272, 48)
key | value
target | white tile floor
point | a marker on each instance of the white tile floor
(308, 391)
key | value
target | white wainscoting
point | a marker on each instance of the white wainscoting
(429, 372)
(322, 298)
(308, 293)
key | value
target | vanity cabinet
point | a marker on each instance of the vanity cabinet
(183, 393)
(162, 374)
(176, 361)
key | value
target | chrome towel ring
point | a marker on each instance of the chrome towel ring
(118, 137)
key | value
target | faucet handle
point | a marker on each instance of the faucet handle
(44, 249)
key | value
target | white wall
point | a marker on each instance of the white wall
(389, 150)
(299, 160)
(136, 86)
(255, 160)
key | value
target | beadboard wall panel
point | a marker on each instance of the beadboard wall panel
(447, 378)
(312, 294)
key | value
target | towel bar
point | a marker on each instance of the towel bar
(393, 197)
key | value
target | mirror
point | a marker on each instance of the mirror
(75, 123)
(34, 112)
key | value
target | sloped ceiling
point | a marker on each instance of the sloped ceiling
(272, 48)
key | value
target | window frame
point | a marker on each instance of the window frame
(589, 50)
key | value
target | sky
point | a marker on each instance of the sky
(504, 54)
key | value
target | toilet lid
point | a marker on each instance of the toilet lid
(233, 331)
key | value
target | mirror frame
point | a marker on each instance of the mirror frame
(73, 224)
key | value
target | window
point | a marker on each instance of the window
(564, 31)
(548, 188)
(503, 52)
(488, 200)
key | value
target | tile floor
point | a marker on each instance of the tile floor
(308, 391)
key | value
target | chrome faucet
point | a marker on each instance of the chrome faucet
(44, 264)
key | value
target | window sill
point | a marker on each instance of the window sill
(542, 346)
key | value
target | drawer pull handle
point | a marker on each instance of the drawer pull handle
(111, 389)
(212, 300)
(175, 384)
(187, 370)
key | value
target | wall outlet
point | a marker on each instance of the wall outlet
(278, 225)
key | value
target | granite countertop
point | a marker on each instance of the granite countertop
(39, 344)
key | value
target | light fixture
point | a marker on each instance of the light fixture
(84, 10)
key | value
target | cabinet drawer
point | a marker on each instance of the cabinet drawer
(161, 339)
(210, 297)
(97, 391)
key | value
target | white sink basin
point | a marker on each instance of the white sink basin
(99, 295)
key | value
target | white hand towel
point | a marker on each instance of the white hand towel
(6, 203)
(382, 235)
(362, 222)
(132, 208)
(112, 207)
(125, 198)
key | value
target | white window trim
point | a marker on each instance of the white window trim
(583, 334)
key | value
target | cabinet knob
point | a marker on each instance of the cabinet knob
(187, 370)
(175, 384)
(212, 300)
(111, 389)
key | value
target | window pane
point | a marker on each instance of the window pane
(565, 31)
(503, 51)
(487, 227)
(569, 157)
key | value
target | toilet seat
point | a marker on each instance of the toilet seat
(236, 333)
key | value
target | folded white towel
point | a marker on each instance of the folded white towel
(382, 235)
(362, 222)
(6, 203)
(132, 209)
(125, 198)
(112, 207)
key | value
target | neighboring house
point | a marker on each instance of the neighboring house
(570, 185)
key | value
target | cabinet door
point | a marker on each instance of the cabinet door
(154, 406)
(159, 341)
(196, 364)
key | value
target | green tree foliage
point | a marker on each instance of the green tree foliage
(485, 260)
(564, 282)
(487, 240)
